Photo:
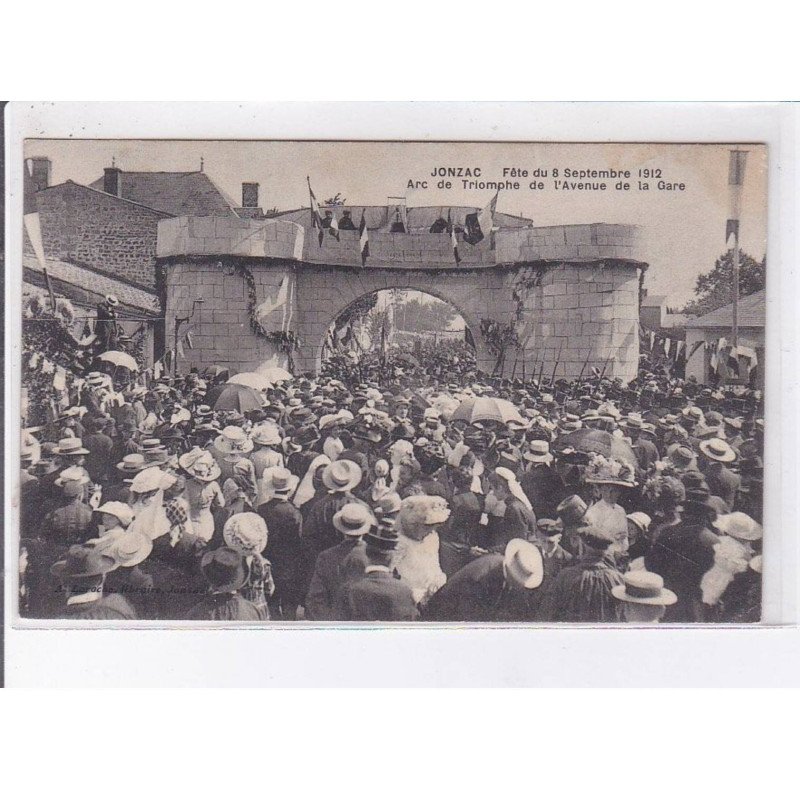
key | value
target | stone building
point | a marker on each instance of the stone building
(570, 291)
(105, 234)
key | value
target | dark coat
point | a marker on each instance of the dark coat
(477, 593)
(519, 522)
(114, 606)
(98, 461)
(723, 483)
(229, 607)
(335, 568)
(582, 593)
(544, 488)
(286, 550)
(681, 555)
(380, 597)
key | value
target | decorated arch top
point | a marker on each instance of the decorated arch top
(292, 236)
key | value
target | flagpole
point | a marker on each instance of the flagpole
(735, 331)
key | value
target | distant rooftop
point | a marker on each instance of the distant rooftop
(752, 314)
(175, 193)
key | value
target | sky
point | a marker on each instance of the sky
(683, 231)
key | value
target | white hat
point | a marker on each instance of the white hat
(645, 588)
(148, 480)
(522, 564)
(266, 434)
(739, 526)
(538, 452)
(122, 511)
(128, 548)
(246, 533)
(640, 520)
(353, 519)
(233, 440)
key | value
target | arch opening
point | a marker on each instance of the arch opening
(387, 329)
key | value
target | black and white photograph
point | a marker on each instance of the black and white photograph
(320, 383)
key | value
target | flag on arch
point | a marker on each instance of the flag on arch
(453, 238)
(363, 238)
(316, 217)
(480, 224)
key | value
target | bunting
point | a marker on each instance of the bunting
(363, 239)
(453, 238)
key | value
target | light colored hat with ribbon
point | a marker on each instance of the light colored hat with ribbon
(740, 526)
(717, 450)
(246, 533)
(266, 435)
(233, 440)
(522, 564)
(200, 464)
(122, 511)
(353, 519)
(644, 588)
(148, 480)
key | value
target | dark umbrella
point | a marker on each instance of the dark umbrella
(234, 397)
(589, 440)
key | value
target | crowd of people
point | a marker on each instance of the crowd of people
(426, 491)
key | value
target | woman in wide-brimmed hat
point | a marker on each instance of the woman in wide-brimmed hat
(225, 570)
(202, 492)
(606, 514)
(247, 534)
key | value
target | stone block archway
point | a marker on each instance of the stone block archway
(322, 295)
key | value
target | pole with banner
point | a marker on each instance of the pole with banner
(738, 160)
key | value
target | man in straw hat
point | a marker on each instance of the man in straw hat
(715, 453)
(379, 595)
(287, 551)
(340, 478)
(643, 596)
(339, 565)
(71, 521)
(492, 588)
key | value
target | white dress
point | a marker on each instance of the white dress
(417, 563)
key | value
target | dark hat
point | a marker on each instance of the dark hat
(382, 538)
(306, 435)
(224, 569)
(82, 562)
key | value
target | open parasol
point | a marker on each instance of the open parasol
(589, 440)
(234, 397)
(119, 359)
(252, 379)
(479, 409)
(274, 374)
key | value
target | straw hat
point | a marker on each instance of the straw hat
(279, 482)
(718, 450)
(112, 300)
(640, 520)
(200, 464)
(233, 440)
(353, 519)
(128, 548)
(740, 526)
(70, 475)
(645, 588)
(71, 446)
(522, 564)
(246, 533)
(341, 476)
(148, 480)
(538, 452)
(266, 435)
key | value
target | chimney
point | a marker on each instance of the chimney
(249, 195)
(112, 181)
(40, 169)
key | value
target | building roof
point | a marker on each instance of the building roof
(419, 218)
(90, 285)
(752, 314)
(175, 193)
(653, 300)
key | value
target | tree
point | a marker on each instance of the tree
(434, 315)
(713, 289)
